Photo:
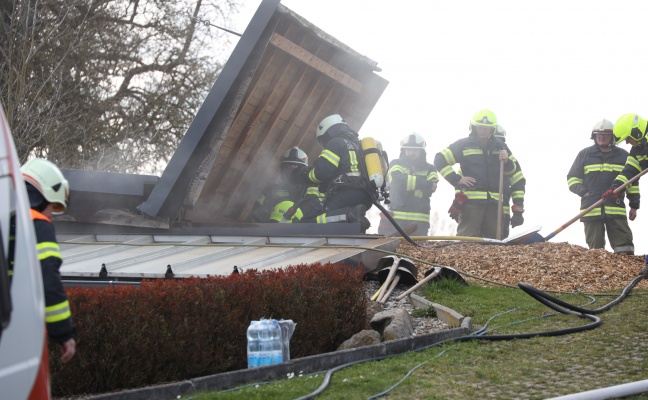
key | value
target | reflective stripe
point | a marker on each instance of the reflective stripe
(449, 157)
(611, 210)
(47, 249)
(621, 249)
(634, 162)
(411, 216)
(515, 178)
(621, 178)
(323, 219)
(353, 158)
(57, 312)
(506, 210)
(472, 152)
(632, 189)
(331, 157)
(518, 194)
(411, 183)
(594, 213)
(605, 167)
(574, 181)
(312, 177)
(445, 171)
(473, 195)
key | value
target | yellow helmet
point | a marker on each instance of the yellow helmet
(629, 125)
(277, 214)
(484, 118)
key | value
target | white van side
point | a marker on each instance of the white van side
(22, 303)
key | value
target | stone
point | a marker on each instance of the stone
(363, 338)
(393, 324)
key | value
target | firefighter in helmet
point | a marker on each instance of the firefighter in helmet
(479, 156)
(596, 167)
(48, 193)
(277, 201)
(412, 181)
(338, 171)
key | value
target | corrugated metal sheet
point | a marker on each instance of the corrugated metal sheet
(148, 256)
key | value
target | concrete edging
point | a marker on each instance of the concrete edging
(461, 326)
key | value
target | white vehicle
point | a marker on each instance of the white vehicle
(22, 303)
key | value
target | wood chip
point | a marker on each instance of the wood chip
(547, 266)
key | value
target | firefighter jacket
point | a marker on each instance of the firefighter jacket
(58, 316)
(282, 191)
(636, 162)
(591, 175)
(339, 165)
(480, 163)
(411, 185)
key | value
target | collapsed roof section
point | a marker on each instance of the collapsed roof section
(283, 77)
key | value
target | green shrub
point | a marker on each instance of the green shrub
(169, 330)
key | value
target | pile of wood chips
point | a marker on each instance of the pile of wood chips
(547, 266)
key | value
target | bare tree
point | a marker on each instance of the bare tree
(107, 84)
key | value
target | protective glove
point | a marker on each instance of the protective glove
(609, 194)
(457, 205)
(517, 219)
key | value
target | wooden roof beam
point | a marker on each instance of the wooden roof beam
(315, 62)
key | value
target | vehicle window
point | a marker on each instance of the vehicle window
(7, 241)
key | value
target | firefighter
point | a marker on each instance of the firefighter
(48, 194)
(340, 173)
(515, 190)
(591, 174)
(412, 181)
(282, 196)
(479, 156)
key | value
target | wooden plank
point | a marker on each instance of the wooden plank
(315, 62)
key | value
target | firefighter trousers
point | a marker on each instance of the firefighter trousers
(618, 233)
(478, 220)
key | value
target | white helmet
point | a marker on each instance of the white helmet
(500, 133)
(602, 126)
(295, 155)
(327, 123)
(412, 141)
(49, 181)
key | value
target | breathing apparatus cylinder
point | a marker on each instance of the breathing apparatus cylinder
(376, 165)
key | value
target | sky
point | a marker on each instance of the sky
(548, 69)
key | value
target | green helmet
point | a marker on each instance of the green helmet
(629, 125)
(484, 118)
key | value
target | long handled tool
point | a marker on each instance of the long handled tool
(499, 201)
(536, 239)
(392, 272)
(442, 272)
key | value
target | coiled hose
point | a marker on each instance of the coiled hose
(550, 301)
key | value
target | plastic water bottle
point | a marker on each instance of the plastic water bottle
(253, 345)
(275, 340)
(265, 343)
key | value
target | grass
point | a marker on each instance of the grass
(541, 367)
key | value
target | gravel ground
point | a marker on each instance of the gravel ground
(422, 325)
